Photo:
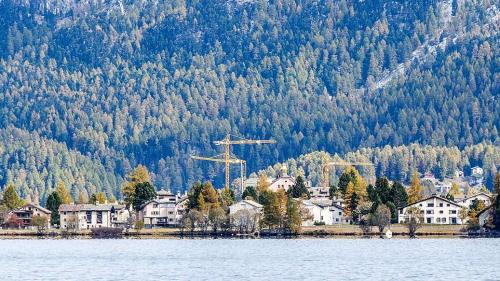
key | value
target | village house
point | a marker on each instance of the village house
(166, 210)
(485, 215)
(481, 196)
(435, 210)
(284, 181)
(249, 205)
(25, 214)
(323, 212)
(319, 192)
(87, 216)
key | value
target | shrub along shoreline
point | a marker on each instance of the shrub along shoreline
(310, 231)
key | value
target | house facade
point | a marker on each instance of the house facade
(249, 205)
(323, 212)
(26, 213)
(284, 182)
(166, 210)
(435, 210)
(483, 197)
(87, 216)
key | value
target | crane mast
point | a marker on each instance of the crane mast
(227, 142)
(226, 161)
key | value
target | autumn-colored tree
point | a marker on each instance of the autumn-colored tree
(63, 193)
(415, 192)
(139, 175)
(262, 183)
(202, 205)
(293, 222)
(10, 197)
(349, 200)
(351, 175)
(282, 200)
(454, 191)
(101, 197)
(82, 197)
(210, 195)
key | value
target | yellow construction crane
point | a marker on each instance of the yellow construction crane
(227, 142)
(326, 170)
(231, 161)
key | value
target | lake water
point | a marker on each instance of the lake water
(264, 259)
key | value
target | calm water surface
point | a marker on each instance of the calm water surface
(265, 259)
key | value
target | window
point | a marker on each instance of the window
(430, 204)
(340, 213)
(438, 220)
(170, 213)
(441, 211)
(448, 205)
(429, 212)
(453, 212)
(401, 211)
(155, 205)
(99, 217)
(420, 205)
(440, 204)
(443, 220)
(429, 220)
(88, 216)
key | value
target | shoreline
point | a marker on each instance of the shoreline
(345, 231)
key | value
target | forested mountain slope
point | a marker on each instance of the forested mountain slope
(151, 82)
(398, 162)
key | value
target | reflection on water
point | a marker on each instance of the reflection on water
(262, 259)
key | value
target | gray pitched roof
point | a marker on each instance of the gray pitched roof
(88, 207)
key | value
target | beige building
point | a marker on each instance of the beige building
(435, 210)
(166, 210)
(26, 213)
(87, 216)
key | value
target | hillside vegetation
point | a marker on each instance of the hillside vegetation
(123, 83)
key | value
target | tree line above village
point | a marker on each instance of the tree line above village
(97, 90)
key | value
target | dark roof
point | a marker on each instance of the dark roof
(87, 207)
(38, 207)
(433, 196)
(483, 193)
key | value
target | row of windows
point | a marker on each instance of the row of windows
(439, 205)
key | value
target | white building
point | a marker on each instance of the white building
(481, 196)
(166, 210)
(87, 216)
(485, 215)
(283, 182)
(435, 210)
(323, 212)
(477, 171)
(249, 205)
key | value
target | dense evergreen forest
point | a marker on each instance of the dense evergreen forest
(397, 162)
(102, 86)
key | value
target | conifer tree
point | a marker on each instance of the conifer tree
(52, 204)
(10, 197)
(63, 193)
(415, 192)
